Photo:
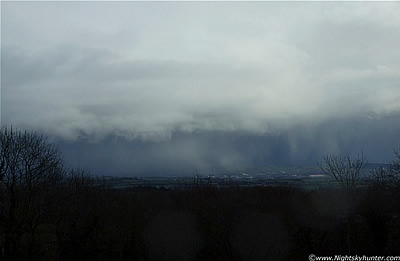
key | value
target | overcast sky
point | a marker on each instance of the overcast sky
(146, 70)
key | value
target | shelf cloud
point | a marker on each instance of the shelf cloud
(144, 71)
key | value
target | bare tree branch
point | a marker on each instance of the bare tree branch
(344, 169)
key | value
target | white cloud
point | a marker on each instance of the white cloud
(148, 69)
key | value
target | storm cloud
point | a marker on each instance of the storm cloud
(194, 79)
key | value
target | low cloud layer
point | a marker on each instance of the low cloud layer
(85, 71)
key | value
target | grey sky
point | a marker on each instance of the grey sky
(144, 70)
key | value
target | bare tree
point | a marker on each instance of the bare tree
(394, 168)
(29, 168)
(389, 176)
(380, 177)
(79, 179)
(344, 169)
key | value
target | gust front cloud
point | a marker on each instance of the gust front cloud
(141, 97)
(148, 70)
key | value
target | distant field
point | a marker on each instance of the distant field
(306, 178)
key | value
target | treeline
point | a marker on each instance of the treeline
(50, 213)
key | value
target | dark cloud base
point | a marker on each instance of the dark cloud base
(220, 152)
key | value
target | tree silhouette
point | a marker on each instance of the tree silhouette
(394, 168)
(386, 177)
(346, 171)
(30, 168)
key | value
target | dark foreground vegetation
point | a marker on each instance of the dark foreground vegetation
(50, 213)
